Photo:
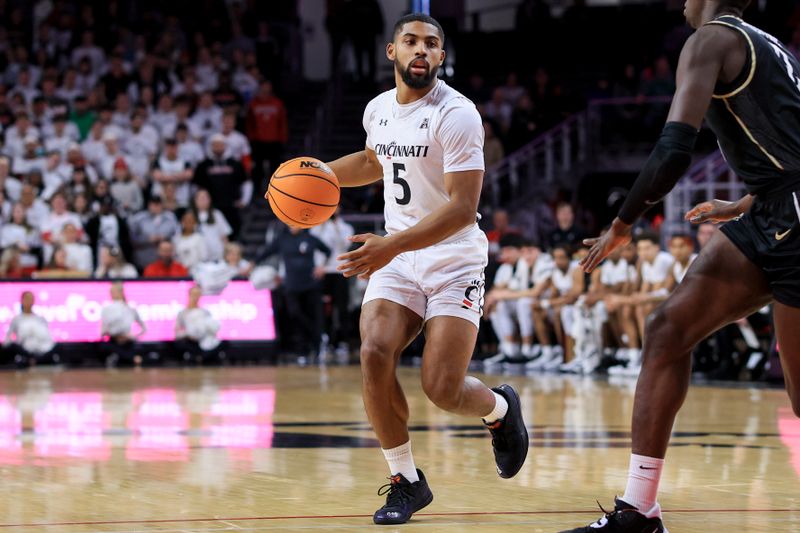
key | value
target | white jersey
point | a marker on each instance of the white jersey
(658, 270)
(612, 273)
(562, 281)
(417, 144)
(679, 271)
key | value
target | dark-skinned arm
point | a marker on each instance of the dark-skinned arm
(701, 62)
(716, 211)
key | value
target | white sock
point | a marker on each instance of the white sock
(499, 411)
(401, 461)
(547, 351)
(643, 477)
(508, 348)
(526, 350)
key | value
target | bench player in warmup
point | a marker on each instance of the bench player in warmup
(425, 140)
(747, 85)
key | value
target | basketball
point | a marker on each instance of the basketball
(303, 192)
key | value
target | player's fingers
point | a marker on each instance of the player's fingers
(361, 237)
(350, 256)
(697, 210)
(590, 242)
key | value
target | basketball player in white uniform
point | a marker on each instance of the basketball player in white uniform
(425, 140)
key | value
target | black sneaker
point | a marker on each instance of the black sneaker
(625, 518)
(509, 435)
(403, 499)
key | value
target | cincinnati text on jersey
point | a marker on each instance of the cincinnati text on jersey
(400, 150)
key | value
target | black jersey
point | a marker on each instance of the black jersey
(757, 117)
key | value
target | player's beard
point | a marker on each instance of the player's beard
(412, 80)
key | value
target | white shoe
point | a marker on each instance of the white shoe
(573, 367)
(540, 362)
(590, 363)
(496, 359)
(554, 364)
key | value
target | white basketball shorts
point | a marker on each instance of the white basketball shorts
(441, 280)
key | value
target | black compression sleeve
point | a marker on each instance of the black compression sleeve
(666, 165)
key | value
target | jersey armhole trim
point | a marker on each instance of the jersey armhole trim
(753, 61)
(750, 136)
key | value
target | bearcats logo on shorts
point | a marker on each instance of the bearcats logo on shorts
(473, 296)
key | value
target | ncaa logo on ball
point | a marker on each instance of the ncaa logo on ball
(315, 164)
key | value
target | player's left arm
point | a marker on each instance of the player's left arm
(701, 62)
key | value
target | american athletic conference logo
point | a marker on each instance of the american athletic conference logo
(473, 296)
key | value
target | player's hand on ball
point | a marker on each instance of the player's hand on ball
(618, 235)
(714, 211)
(375, 254)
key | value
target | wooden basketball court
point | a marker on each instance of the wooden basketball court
(288, 449)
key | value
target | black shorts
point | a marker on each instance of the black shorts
(769, 236)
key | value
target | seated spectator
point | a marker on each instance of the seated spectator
(141, 145)
(190, 246)
(116, 321)
(149, 228)
(5, 208)
(165, 266)
(58, 217)
(107, 228)
(82, 116)
(111, 264)
(82, 207)
(28, 339)
(171, 168)
(566, 232)
(29, 159)
(207, 116)
(163, 119)
(493, 151)
(112, 154)
(196, 332)
(15, 135)
(59, 136)
(499, 110)
(11, 266)
(213, 225)
(58, 268)
(102, 190)
(79, 255)
(239, 266)
(78, 183)
(170, 200)
(500, 228)
(523, 125)
(37, 212)
(125, 191)
(21, 236)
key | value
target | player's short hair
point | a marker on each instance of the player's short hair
(684, 237)
(417, 17)
(528, 242)
(650, 236)
(562, 246)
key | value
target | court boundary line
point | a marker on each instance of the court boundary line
(322, 517)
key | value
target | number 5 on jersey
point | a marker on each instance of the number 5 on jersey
(406, 198)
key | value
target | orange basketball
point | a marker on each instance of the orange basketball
(303, 192)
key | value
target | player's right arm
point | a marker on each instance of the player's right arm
(360, 168)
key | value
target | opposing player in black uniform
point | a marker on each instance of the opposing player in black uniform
(747, 85)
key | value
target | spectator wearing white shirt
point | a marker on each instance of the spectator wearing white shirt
(207, 117)
(114, 153)
(183, 108)
(171, 168)
(205, 70)
(36, 210)
(15, 135)
(141, 144)
(85, 77)
(59, 216)
(335, 234)
(94, 148)
(236, 144)
(117, 319)
(55, 176)
(121, 116)
(213, 225)
(89, 50)
(164, 118)
(79, 255)
(60, 135)
(190, 246)
(188, 149)
(31, 158)
(17, 233)
(24, 84)
(28, 338)
(238, 266)
(69, 90)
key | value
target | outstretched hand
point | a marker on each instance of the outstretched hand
(618, 235)
(375, 254)
(714, 211)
